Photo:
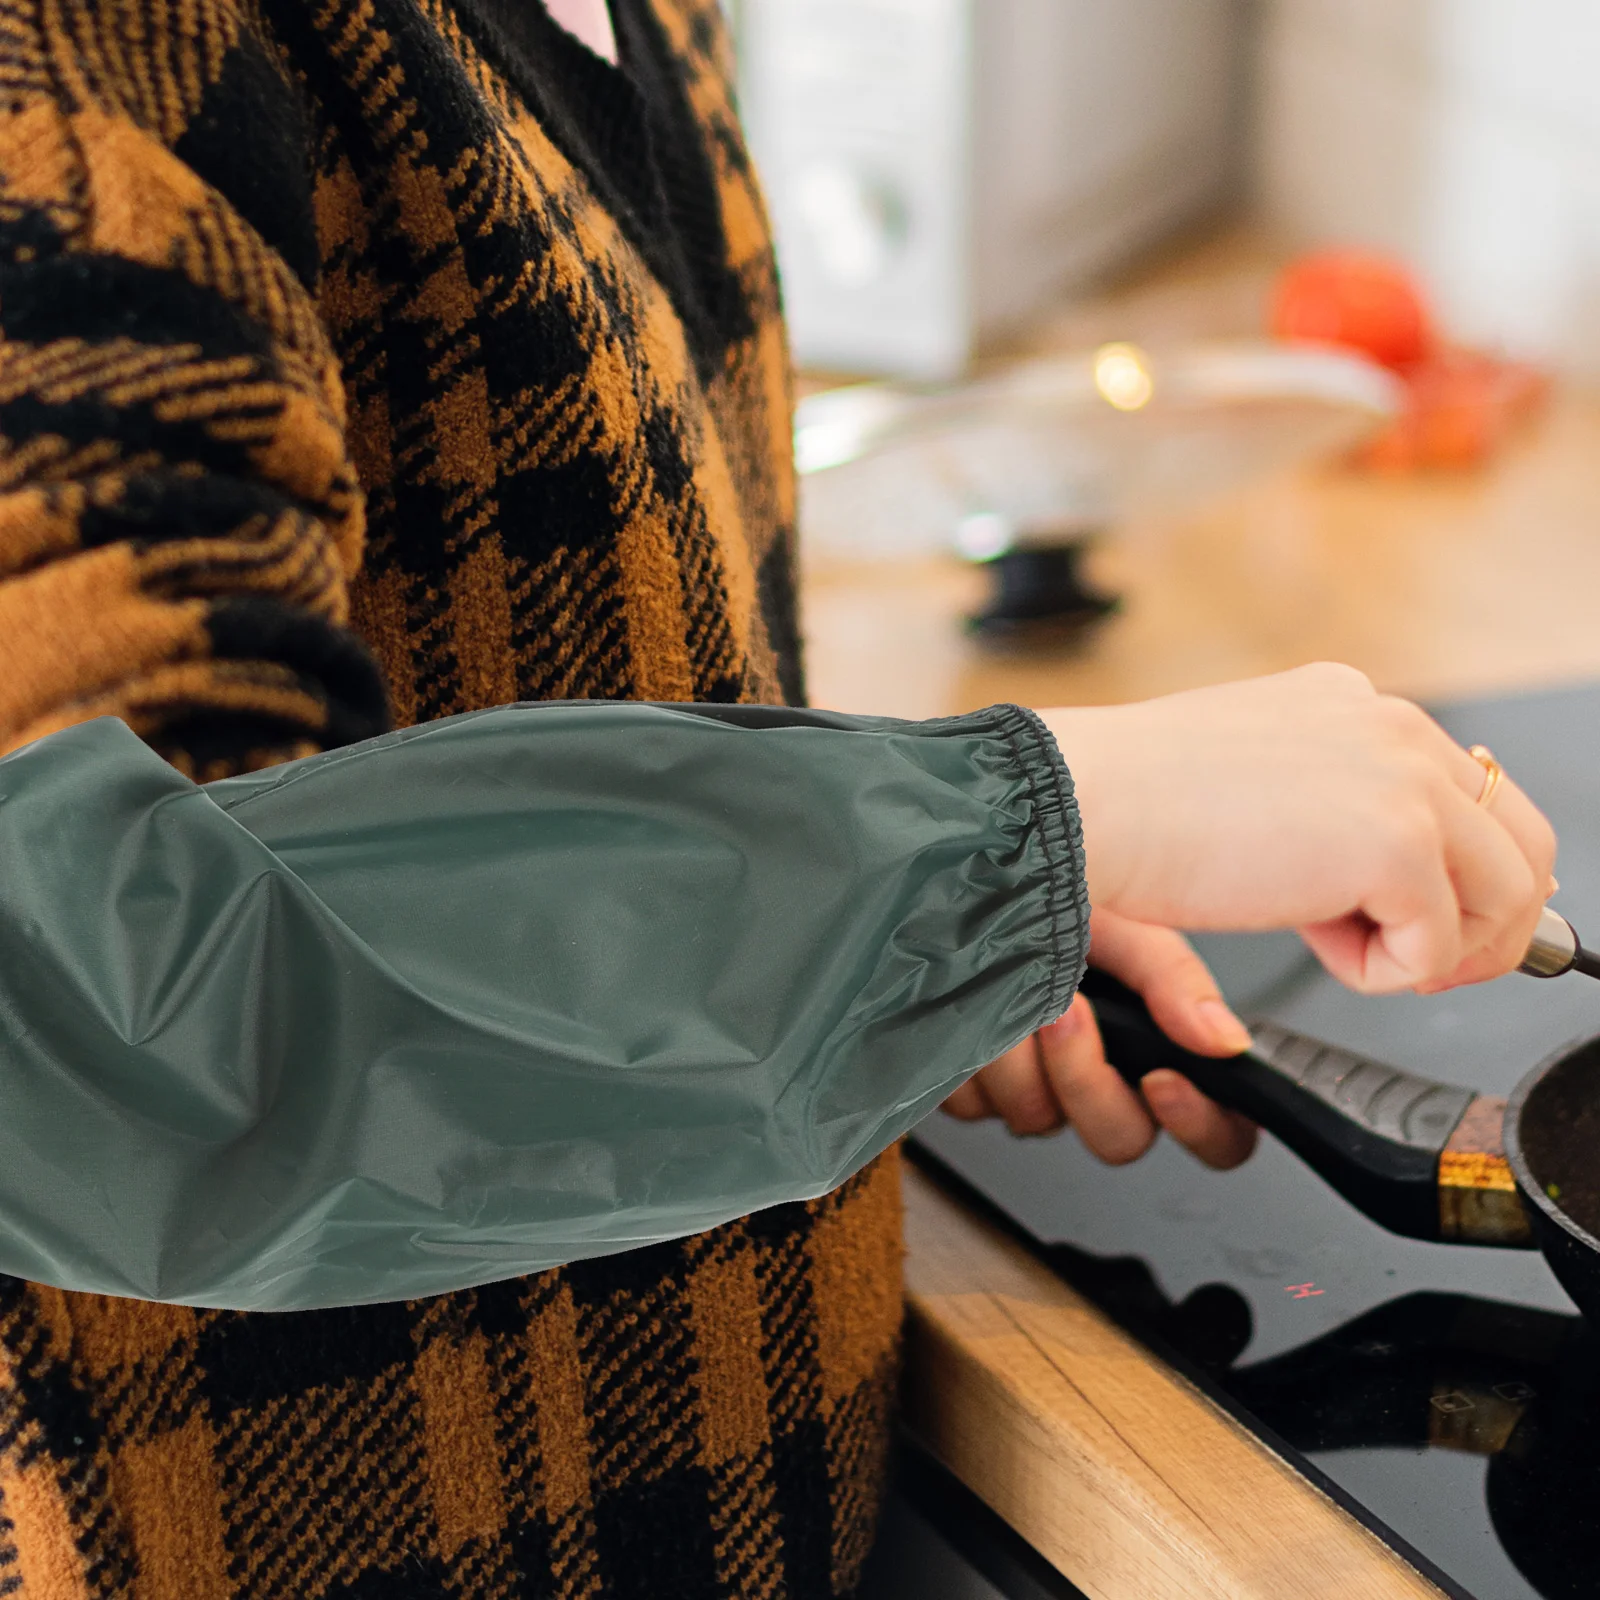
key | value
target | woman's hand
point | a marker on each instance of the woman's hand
(1060, 1075)
(1309, 801)
(1305, 800)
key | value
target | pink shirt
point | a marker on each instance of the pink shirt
(590, 21)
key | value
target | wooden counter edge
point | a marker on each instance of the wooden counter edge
(1119, 1472)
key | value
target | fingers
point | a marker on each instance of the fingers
(1177, 986)
(1183, 997)
(1109, 1117)
(1016, 1090)
(1455, 887)
(968, 1103)
(1221, 1139)
(1501, 891)
(1411, 915)
(1499, 857)
(1509, 806)
(1535, 840)
(1061, 1074)
(1117, 1124)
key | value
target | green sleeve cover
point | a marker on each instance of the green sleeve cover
(502, 991)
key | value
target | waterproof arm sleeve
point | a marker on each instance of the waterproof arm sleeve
(502, 991)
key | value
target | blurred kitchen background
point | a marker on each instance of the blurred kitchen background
(1107, 462)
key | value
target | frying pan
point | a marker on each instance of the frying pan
(1423, 1158)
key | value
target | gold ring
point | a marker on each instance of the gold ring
(1493, 771)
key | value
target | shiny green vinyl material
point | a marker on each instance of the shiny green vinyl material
(502, 991)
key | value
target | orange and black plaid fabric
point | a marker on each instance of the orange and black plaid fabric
(705, 1419)
(366, 361)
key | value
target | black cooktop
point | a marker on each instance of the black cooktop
(1449, 1395)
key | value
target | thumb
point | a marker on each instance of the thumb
(1162, 967)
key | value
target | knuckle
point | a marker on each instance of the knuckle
(1407, 834)
(1412, 788)
(1339, 676)
(1031, 1110)
(1545, 848)
(1079, 1069)
(1408, 821)
(1404, 718)
(1498, 959)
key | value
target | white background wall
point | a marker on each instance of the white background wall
(1464, 134)
(1102, 125)
(941, 171)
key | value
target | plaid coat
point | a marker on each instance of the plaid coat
(362, 362)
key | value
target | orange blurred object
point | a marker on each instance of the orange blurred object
(1460, 404)
(1357, 301)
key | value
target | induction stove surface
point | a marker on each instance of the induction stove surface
(1448, 1394)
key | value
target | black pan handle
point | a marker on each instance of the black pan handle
(1373, 1132)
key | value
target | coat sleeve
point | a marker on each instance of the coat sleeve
(502, 991)
(179, 516)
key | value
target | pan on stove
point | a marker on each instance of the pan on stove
(1422, 1158)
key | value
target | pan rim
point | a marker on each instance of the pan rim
(1531, 1189)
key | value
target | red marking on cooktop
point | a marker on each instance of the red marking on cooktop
(1303, 1291)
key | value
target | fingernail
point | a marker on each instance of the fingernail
(1555, 888)
(1228, 1031)
(1070, 1023)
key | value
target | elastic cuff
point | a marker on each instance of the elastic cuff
(1061, 837)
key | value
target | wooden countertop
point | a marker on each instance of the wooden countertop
(1115, 1469)
(1435, 586)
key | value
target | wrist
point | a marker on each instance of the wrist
(1081, 733)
